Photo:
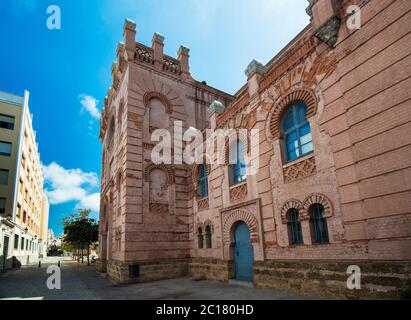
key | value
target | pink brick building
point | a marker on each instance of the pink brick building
(332, 189)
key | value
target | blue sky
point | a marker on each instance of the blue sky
(67, 71)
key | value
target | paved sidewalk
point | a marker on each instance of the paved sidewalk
(85, 284)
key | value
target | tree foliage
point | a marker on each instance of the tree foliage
(80, 230)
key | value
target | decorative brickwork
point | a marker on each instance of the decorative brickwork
(156, 95)
(202, 226)
(301, 51)
(290, 204)
(171, 65)
(317, 198)
(236, 216)
(299, 170)
(238, 192)
(159, 208)
(276, 113)
(167, 170)
(203, 204)
(144, 54)
(233, 110)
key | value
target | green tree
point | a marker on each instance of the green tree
(80, 230)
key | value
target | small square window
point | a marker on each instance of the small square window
(4, 176)
(5, 148)
(6, 122)
(2, 205)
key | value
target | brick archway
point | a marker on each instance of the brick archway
(238, 216)
(290, 204)
(166, 169)
(156, 95)
(317, 198)
(274, 117)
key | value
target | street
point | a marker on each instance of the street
(83, 283)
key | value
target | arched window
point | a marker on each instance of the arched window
(200, 238)
(158, 190)
(202, 181)
(120, 113)
(318, 224)
(158, 116)
(111, 131)
(297, 132)
(119, 186)
(294, 227)
(237, 171)
(208, 237)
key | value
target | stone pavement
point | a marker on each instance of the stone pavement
(84, 283)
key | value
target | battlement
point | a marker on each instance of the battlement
(153, 57)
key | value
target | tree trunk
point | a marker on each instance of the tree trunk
(88, 254)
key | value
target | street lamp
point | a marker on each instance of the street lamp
(26, 230)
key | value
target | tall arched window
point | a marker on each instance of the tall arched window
(119, 186)
(237, 171)
(202, 181)
(158, 116)
(297, 132)
(200, 238)
(208, 237)
(111, 131)
(294, 227)
(318, 224)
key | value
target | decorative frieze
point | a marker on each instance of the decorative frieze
(203, 204)
(285, 64)
(171, 66)
(299, 170)
(158, 207)
(238, 192)
(144, 54)
(233, 110)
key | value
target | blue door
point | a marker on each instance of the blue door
(243, 254)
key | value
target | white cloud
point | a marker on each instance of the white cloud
(89, 104)
(91, 201)
(67, 185)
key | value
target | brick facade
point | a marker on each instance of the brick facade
(355, 84)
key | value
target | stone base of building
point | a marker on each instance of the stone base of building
(147, 270)
(100, 266)
(211, 269)
(387, 280)
(379, 280)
